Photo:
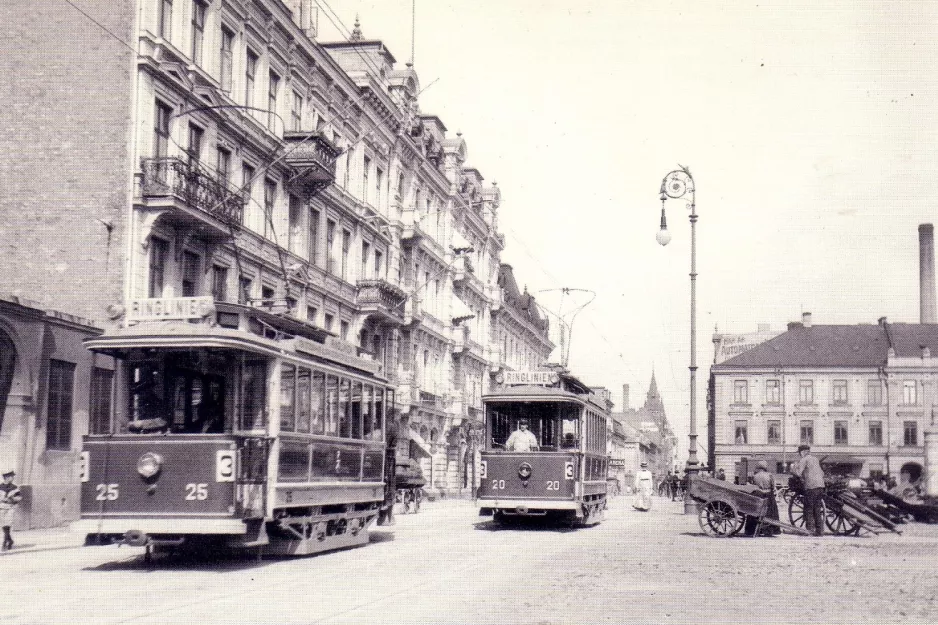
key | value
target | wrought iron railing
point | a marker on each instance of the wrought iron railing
(193, 185)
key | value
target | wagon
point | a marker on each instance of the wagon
(724, 507)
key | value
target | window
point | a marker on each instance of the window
(191, 271)
(253, 394)
(194, 151)
(807, 433)
(99, 413)
(245, 286)
(346, 244)
(219, 283)
(874, 393)
(876, 432)
(296, 112)
(287, 398)
(773, 392)
(227, 47)
(311, 314)
(740, 391)
(840, 432)
(343, 330)
(839, 392)
(158, 252)
(330, 246)
(349, 159)
(329, 320)
(379, 182)
(741, 434)
(805, 391)
(224, 166)
(366, 249)
(774, 433)
(378, 264)
(161, 130)
(267, 293)
(198, 31)
(910, 433)
(366, 168)
(165, 27)
(272, 93)
(270, 194)
(59, 405)
(250, 72)
(313, 243)
(294, 232)
(909, 395)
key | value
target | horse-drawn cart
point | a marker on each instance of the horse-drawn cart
(724, 507)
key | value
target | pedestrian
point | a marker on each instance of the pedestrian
(644, 484)
(721, 474)
(10, 497)
(808, 468)
(521, 439)
(765, 484)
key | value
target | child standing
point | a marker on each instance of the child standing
(10, 497)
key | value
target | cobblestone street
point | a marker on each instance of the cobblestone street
(447, 565)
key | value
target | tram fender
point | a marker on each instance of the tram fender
(135, 538)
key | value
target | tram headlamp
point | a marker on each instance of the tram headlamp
(524, 470)
(149, 464)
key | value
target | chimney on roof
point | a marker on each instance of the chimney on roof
(926, 273)
(881, 321)
(625, 397)
(806, 319)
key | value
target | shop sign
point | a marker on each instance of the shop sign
(540, 378)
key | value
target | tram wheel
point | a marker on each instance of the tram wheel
(720, 519)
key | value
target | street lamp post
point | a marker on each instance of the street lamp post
(679, 184)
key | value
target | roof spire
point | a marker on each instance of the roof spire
(357, 31)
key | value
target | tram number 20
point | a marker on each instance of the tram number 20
(553, 484)
(498, 484)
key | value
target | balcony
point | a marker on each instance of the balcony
(312, 158)
(462, 269)
(194, 197)
(382, 299)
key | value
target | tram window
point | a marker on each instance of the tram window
(356, 410)
(378, 418)
(317, 404)
(569, 429)
(287, 398)
(368, 410)
(253, 394)
(345, 408)
(302, 400)
(332, 405)
(146, 400)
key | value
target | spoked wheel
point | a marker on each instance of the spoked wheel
(839, 523)
(720, 519)
(796, 510)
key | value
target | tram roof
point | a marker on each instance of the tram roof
(546, 393)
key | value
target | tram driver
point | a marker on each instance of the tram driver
(521, 439)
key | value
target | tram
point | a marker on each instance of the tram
(564, 474)
(235, 427)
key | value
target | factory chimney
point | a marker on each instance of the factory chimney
(926, 273)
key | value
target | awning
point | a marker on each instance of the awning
(459, 241)
(461, 312)
(826, 458)
(418, 445)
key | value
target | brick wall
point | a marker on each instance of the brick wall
(64, 144)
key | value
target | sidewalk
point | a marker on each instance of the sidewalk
(46, 539)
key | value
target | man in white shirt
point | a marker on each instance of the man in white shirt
(521, 439)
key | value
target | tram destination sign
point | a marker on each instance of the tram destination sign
(158, 308)
(540, 378)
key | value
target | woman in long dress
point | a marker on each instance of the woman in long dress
(643, 488)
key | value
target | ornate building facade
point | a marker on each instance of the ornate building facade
(245, 160)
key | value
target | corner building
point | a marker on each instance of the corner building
(222, 151)
(861, 395)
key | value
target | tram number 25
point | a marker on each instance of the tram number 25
(196, 492)
(107, 492)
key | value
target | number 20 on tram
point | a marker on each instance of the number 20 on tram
(561, 471)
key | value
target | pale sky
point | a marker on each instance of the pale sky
(808, 127)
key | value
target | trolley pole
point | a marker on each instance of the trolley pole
(676, 185)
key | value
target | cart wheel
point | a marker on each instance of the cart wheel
(720, 519)
(839, 523)
(796, 510)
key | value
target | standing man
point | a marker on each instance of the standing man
(808, 468)
(521, 439)
(10, 497)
